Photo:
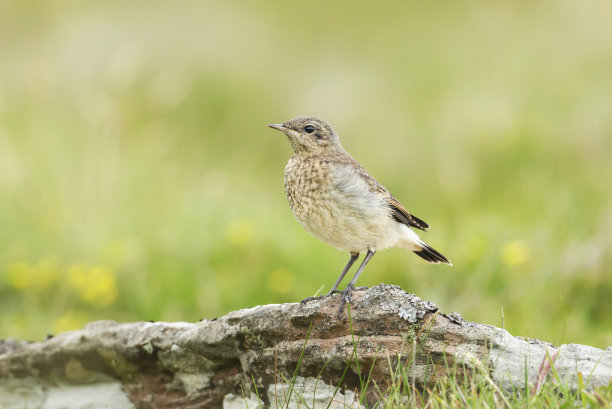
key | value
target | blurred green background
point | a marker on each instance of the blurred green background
(138, 179)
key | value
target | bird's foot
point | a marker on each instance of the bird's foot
(318, 297)
(347, 297)
(361, 288)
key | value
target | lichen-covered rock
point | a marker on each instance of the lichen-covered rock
(262, 353)
(309, 392)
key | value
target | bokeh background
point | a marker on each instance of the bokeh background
(138, 179)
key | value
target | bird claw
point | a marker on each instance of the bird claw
(318, 297)
(307, 299)
(347, 297)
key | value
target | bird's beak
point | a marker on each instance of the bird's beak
(278, 127)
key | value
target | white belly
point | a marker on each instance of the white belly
(355, 224)
(339, 208)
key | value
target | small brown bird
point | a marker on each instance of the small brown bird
(338, 201)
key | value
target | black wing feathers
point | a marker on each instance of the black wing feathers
(432, 255)
(402, 216)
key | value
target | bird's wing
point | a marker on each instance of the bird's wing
(352, 177)
(400, 214)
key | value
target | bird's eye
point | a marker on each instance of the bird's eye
(309, 128)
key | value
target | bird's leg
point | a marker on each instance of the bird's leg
(347, 293)
(354, 257)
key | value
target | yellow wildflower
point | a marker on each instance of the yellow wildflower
(239, 232)
(514, 253)
(280, 281)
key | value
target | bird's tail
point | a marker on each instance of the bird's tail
(430, 254)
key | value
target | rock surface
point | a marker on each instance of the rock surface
(275, 353)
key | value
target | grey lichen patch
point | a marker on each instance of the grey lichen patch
(185, 361)
(393, 299)
(100, 325)
(518, 359)
(21, 393)
(92, 396)
(116, 361)
(75, 372)
(370, 346)
(252, 340)
(466, 353)
(193, 383)
(409, 313)
(417, 336)
(11, 345)
(33, 393)
(455, 317)
(148, 348)
(231, 401)
(409, 336)
(312, 393)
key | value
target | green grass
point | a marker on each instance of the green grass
(138, 179)
(477, 390)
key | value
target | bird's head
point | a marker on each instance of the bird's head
(309, 135)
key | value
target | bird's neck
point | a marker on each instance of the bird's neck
(325, 153)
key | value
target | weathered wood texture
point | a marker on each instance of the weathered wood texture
(216, 363)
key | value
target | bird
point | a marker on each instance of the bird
(335, 199)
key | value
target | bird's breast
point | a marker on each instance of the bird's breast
(347, 217)
(307, 186)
